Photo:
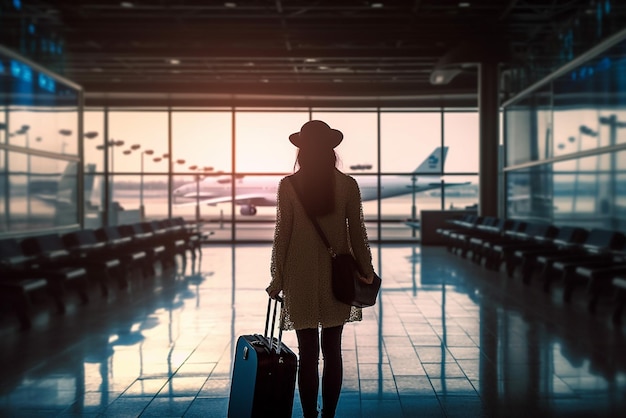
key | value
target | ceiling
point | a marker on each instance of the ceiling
(299, 48)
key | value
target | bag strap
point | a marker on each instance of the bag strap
(317, 226)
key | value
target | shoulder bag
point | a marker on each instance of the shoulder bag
(346, 276)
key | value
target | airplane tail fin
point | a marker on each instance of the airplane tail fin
(434, 162)
(67, 181)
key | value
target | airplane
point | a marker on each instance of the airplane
(60, 188)
(255, 191)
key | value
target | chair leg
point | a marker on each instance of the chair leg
(57, 292)
(22, 306)
(620, 301)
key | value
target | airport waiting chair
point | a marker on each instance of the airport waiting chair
(143, 239)
(134, 260)
(493, 251)
(18, 265)
(484, 233)
(18, 290)
(18, 293)
(166, 235)
(452, 225)
(619, 284)
(83, 245)
(599, 246)
(191, 234)
(521, 235)
(51, 252)
(458, 239)
(598, 279)
(567, 239)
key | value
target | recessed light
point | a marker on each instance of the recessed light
(376, 5)
(230, 4)
(127, 4)
(310, 60)
(464, 4)
(174, 61)
(322, 67)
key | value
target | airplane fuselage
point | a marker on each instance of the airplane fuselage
(262, 190)
(252, 191)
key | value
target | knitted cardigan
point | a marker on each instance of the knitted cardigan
(300, 263)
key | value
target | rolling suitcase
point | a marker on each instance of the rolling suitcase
(264, 374)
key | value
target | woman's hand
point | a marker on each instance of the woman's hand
(272, 293)
(369, 279)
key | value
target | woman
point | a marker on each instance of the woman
(301, 264)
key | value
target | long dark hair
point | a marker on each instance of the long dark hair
(315, 179)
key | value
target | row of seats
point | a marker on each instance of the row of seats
(55, 264)
(593, 259)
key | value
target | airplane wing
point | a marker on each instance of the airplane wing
(434, 185)
(258, 199)
(203, 196)
(449, 184)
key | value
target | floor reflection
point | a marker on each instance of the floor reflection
(447, 338)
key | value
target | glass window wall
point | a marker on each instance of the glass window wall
(578, 180)
(39, 138)
(220, 156)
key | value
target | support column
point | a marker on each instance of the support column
(488, 114)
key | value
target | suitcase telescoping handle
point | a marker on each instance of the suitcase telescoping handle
(270, 338)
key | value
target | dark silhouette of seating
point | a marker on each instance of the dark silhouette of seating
(17, 293)
(532, 236)
(566, 240)
(597, 247)
(133, 259)
(19, 264)
(84, 246)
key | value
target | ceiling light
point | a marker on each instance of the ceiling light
(376, 5)
(127, 4)
(310, 60)
(264, 80)
(464, 4)
(230, 4)
(322, 67)
(442, 76)
(174, 61)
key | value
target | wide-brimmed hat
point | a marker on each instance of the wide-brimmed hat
(316, 133)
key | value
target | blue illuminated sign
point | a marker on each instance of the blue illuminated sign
(46, 83)
(21, 71)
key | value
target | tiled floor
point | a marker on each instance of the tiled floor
(447, 338)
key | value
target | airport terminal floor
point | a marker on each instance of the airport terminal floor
(448, 338)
